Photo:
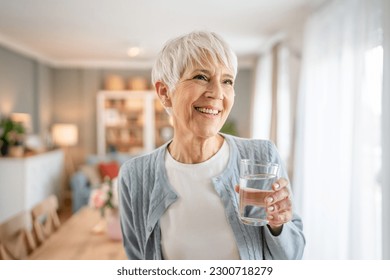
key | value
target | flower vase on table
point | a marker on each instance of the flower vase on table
(105, 199)
(113, 224)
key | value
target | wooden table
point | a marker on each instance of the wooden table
(75, 240)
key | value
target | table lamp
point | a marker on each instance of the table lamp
(24, 119)
(66, 135)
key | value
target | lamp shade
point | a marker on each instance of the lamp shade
(24, 119)
(65, 134)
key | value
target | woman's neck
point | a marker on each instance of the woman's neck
(195, 150)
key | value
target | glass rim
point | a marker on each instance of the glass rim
(259, 162)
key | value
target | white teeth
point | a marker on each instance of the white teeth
(207, 111)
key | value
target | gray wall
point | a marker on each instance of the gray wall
(17, 85)
(240, 113)
(25, 87)
(43, 102)
(69, 95)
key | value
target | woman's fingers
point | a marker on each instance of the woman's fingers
(278, 219)
(281, 192)
(278, 203)
(280, 206)
(280, 183)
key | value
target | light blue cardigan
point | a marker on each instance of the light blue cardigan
(145, 194)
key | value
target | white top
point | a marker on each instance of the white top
(195, 226)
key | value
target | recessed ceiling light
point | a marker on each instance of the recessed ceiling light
(133, 51)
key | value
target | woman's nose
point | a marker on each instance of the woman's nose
(215, 91)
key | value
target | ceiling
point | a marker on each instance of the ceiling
(92, 33)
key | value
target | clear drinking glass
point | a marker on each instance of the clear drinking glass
(256, 179)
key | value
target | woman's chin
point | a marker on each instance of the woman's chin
(208, 133)
(198, 130)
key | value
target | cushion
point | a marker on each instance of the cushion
(92, 173)
(109, 169)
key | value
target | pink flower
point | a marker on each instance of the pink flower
(105, 196)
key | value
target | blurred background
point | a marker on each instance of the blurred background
(313, 77)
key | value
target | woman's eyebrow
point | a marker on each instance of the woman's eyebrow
(228, 76)
(205, 71)
(201, 70)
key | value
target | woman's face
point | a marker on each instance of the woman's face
(202, 101)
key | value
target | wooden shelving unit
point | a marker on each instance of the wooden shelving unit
(130, 122)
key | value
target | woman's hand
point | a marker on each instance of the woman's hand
(278, 205)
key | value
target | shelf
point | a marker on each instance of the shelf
(130, 120)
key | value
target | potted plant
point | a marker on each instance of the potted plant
(11, 135)
(229, 128)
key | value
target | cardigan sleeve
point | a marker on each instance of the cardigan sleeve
(290, 243)
(127, 218)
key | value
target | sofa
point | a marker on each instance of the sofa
(90, 175)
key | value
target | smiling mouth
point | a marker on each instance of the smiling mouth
(207, 111)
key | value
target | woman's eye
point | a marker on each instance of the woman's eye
(201, 77)
(228, 82)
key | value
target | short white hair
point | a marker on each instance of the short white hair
(195, 47)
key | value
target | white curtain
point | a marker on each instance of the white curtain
(271, 115)
(262, 98)
(386, 132)
(338, 146)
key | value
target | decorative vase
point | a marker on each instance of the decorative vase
(113, 224)
(16, 151)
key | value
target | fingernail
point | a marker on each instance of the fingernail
(269, 199)
(270, 217)
(277, 186)
(271, 208)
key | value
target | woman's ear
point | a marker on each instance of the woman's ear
(162, 92)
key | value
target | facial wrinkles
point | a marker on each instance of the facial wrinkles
(213, 77)
(197, 87)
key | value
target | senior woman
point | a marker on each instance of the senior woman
(180, 201)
